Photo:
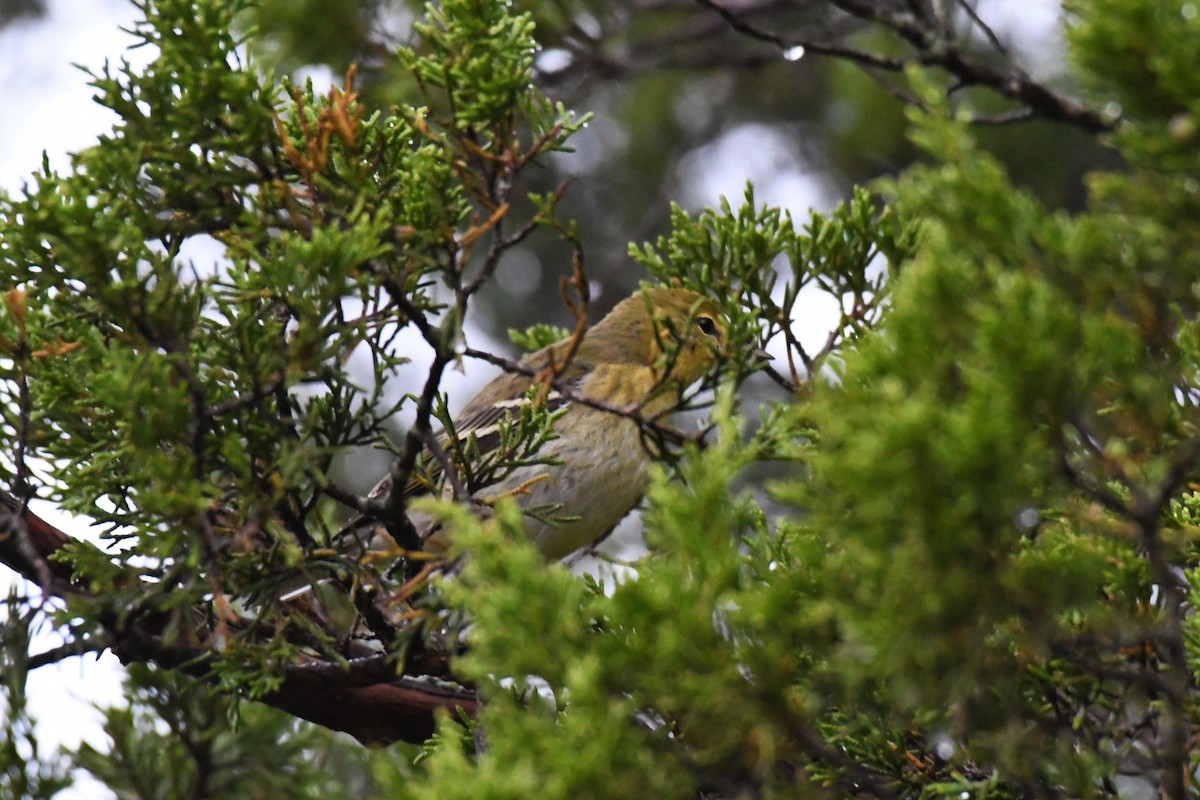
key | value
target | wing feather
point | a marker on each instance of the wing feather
(482, 423)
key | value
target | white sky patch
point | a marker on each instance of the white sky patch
(460, 381)
(553, 60)
(1031, 29)
(48, 101)
(769, 159)
(321, 75)
(815, 315)
(762, 155)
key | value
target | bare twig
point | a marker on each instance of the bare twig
(986, 29)
(76, 647)
(448, 467)
(1011, 81)
(500, 246)
(776, 376)
(933, 47)
(787, 45)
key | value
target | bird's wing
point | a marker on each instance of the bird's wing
(476, 429)
(477, 435)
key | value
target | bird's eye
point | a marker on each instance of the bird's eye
(707, 326)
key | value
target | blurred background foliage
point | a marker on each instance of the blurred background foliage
(685, 108)
(13, 10)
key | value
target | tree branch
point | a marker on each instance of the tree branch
(932, 48)
(362, 697)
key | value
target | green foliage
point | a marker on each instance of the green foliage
(971, 570)
(26, 771)
(178, 740)
(166, 387)
(482, 56)
(518, 440)
(537, 336)
(756, 256)
(645, 685)
(974, 555)
(1135, 54)
(968, 453)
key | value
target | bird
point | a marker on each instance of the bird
(595, 466)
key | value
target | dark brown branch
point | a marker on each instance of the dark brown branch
(501, 246)
(1013, 82)
(1090, 486)
(26, 542)
(77, 647)
(448, 467)
(347, 498)
(785, 45)
(932, 48)
(778, 378)
(367, 702)
(978, 22)
(390, 508)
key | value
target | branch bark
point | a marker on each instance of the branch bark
(363, 698)
(932, 48)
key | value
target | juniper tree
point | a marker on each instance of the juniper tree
(951, 553)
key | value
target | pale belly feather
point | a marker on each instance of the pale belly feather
(598, 482)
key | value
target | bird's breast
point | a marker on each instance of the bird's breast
(601, 474)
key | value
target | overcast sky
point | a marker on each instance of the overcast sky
(48, 107)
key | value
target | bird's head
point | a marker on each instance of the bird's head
(687, 337)
(676, 332)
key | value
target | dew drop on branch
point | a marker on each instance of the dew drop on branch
(794, 53)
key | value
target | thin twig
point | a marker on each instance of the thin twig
(932, 48)
(988, 33)
(432, 441)
(76, 647)
(786, 45)
(627, 411)
(1011, 82)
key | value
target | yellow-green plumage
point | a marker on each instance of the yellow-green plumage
(641, 356)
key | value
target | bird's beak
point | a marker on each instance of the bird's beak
(760, 357)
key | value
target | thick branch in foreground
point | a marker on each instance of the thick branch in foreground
(26, 542)
(363, 698)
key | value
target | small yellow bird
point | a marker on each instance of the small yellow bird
(640, 357)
